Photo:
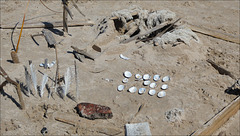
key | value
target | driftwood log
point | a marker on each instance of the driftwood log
(9, 80)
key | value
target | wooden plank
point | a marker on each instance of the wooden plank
(219, 119)
(48, 24)
(214, 33)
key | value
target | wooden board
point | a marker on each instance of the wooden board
(219, 119)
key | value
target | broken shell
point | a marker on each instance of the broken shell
(152, 92)
(164, 87)
(125, 80)
(127, 74)
(141, 90)
(146, 77)
(146, 83)
(132, 89)
(156, 77)
(152, 85)
(120, 88)
(124, 57)
(138, 76)
(41, 65)
(161, 94)
(166, 78)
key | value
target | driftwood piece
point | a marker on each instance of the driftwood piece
(49, 37)
(221, 70)
(219, 119)
(14, 57)
(65, 121)
(48, 25)
(133, 14)
(83, 52)
(9, 80)
(214, 33)
(148, 32)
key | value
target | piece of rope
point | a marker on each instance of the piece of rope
(48, 7)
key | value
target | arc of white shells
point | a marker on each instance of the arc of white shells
(124, 57)
(132, 89)
(146, 83)
(127, 74)
(156, 77)
(152, 92)
(141, 90)
(138, 76)
(166, 78)
(164, 87)
(120, 88)
(125, 80)
(161, 94)
(146, 77)
(152, 85)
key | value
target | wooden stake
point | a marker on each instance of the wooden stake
(14, 57)
(76, 79)
(65, 26)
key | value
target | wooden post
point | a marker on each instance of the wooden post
(65, 16)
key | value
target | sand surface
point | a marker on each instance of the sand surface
(195, 87)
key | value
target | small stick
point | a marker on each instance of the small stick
(57, 69)
(221, 70)
(9, 80)
(65, 121)
(45, 63)
(83, 52)
(65, 26)
(76, 79)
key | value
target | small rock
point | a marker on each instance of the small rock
(94, 111)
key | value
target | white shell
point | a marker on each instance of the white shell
(138, 76)
(152, 85)
(166, 78)
(41, 65)
(146, 83)
(156, 77)
(141, 90)
(120, 88)
(125, 80)
(146, 77)
(152, 92)
(124, 57)
(127, 74)
(132, 89)
(161, 94)
(164, 87)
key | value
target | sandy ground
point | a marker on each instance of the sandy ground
(195, 86)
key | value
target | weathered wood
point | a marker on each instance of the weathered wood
(14, 57)
(65, 18)
(148, 32)
(9, 80)
(49, 37)
(83, 52)
(221, 70)
(218, 120)
(214, 33)
(65, 121)
(48, 25)
(133, 14)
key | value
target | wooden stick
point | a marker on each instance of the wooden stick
(221, 70)
(49, 25)
(218, 120)
(83, 52)
(9, 80)
(214, 33)
(76, 79)
(65, 121)
(57, 69)
(148, 32)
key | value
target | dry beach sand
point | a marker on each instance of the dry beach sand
(195, 87)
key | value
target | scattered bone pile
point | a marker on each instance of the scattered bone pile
(135, 20)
